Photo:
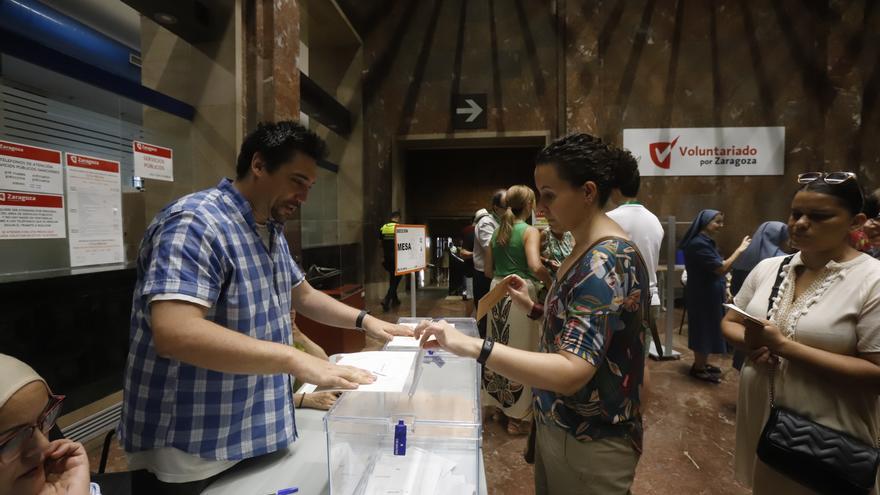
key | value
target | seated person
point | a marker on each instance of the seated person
(320, 400)
(29, 463)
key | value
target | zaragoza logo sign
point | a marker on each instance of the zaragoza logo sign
(708, 150)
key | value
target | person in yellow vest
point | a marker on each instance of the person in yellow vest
(386, 233)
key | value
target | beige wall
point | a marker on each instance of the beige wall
(205, 77)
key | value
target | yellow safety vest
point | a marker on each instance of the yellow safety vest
(387, 230)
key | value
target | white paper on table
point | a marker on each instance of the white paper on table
(403, 342)
(390, 368)
(413, 325)
(419, 472)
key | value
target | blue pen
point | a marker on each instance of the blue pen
(286, 491)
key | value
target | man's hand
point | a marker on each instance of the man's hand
(384, 331)
(67, 469)
(310, 369)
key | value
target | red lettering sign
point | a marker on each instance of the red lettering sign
(29, 152)
(33, 200)
(88, 162)
(150, 149)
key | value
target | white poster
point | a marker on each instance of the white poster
(153, 162)
(30, 169)
(31, 216)
(409, 241)
(708, 150)
(94, 210)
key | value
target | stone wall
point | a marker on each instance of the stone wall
(602, 66)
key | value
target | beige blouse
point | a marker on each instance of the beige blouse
(840, 316)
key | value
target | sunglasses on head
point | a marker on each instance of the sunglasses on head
(829, 177)
(11, 448)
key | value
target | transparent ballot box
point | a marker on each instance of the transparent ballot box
(440, 411)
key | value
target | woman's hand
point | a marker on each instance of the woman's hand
(770, 337)
(320, 400)
(761, 355)
(447, 338)
(753, 333)
(744, 244)
(67, 469)
(518, 291)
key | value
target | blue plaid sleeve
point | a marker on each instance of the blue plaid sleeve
(186, 258)
(592, 313)
(297, 276)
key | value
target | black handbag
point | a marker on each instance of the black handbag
(822, 459)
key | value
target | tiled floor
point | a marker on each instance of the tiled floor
(689, 427)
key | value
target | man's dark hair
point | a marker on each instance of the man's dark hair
(581, 158)
(498, 198)
(629, 182)
(277, 143)
(395, 214)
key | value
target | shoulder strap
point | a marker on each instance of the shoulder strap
(780, 276)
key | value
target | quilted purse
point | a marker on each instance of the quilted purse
(821, 458)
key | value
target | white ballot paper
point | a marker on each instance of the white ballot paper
(419, 472)
(403, 342)
(391, 369)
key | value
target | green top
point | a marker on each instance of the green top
(511, 259)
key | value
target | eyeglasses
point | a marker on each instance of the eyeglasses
(11, 449)
(830, 177)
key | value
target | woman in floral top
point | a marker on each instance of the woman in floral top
(588, 374)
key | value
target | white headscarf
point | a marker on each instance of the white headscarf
(14, 375)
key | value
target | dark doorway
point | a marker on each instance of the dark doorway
(445, 187)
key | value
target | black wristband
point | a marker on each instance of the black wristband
(359, 323)
(488, 344)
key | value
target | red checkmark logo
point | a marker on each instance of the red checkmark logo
(661, 153)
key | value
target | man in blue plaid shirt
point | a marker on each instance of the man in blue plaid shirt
(209, 375)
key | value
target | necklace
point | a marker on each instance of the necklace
(787, 310)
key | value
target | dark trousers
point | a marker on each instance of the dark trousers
(143, 482)
(393, 283)
(481, 288)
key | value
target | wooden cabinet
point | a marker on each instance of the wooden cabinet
(334, 339)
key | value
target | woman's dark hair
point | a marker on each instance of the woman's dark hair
(848, 193)
(580, 158)
(277, 142)
(872, 204)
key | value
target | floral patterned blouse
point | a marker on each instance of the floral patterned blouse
(599, 312)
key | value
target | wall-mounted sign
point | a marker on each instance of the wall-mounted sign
(94, 210)
(31, 188)
(708, 150)
(409, 242)
(31, 216)
(469, 111)
(30, 169)
(153, 162)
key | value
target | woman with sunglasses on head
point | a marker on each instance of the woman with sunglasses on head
(706, 291)
(819, 353)
(29, 463)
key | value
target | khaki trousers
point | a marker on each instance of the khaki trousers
(566, 466)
